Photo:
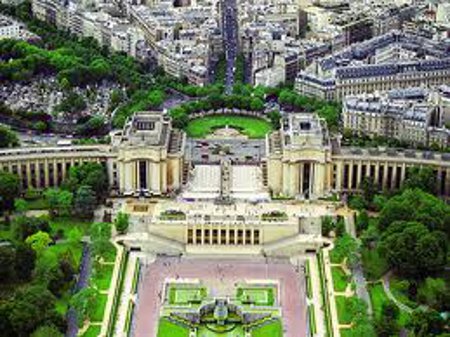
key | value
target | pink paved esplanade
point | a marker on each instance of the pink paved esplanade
(151, 297)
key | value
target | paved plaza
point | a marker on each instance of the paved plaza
(219, 275)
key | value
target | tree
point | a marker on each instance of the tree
(275, 118)
(32, 306)
(386, 325)
(9, 190)
(416, 206)
(39, 242)
(24, 262)
(7, 259)
(8, 138)
(256, 104)
(90, 174)
(340, 227)
(362, 221)
(426, 323)
(20, 205)
(346, 247)
(23, 227)
(59, 201)
(47, 331)
(327, 225)
(85, 201)
(368, 189)
(122, 222)
(413, 250)
(83, 303)
(357, 202)
(100, 234)
(422, 178)
(434, 293)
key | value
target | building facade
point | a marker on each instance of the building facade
(148, 158)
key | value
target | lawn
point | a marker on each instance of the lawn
(378, 297)
(258, 296)
(169, 329)
(64, 225)
(308, 279)
(400, 290)
(110, 255)
(274, 329)
(186, 295)
(92, 331)
(101, 276)
(375, 265)
(343, 309)
(340, 279)
(99, 310)
(250, 126)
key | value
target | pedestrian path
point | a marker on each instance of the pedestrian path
(126, 296)
(316, 299)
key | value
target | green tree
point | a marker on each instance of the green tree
(100, 234)
(426, 323)
(362, 221)
(8, 138)
(47, 331)
(327, 225)
(434, 292)
(122, 222)
(83, 303)
(7, 259)
(85, 201)
(256, 104)
(275, 118)
(24, 262)
(23, 227)
(39, 242)
(386, 325)
(21, 205)
(368, 189)
(32, 306)
(422, 178)
(413, 250)
(417, 206)
(9, 190)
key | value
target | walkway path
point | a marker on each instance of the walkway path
(330, 289)
(390, 295)
(316, 299)
(126, 296)
(111, 291)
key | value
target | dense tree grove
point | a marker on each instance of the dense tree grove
(8, 138)
(9, 190)
(413, 250)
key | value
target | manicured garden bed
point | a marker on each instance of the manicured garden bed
(340, 279)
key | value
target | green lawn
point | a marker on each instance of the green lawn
(250, 126)
(343, 309)
(375, 265)
(37, 204)
(186, 295)
(258, 296)
(74, 249)
(340, 279)
(378, 297)
(99, 310)
(110, 255)
(274, 329)
(92, 331)
(64, 225)
(400, 291)
(169, 329)
(101, 276)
